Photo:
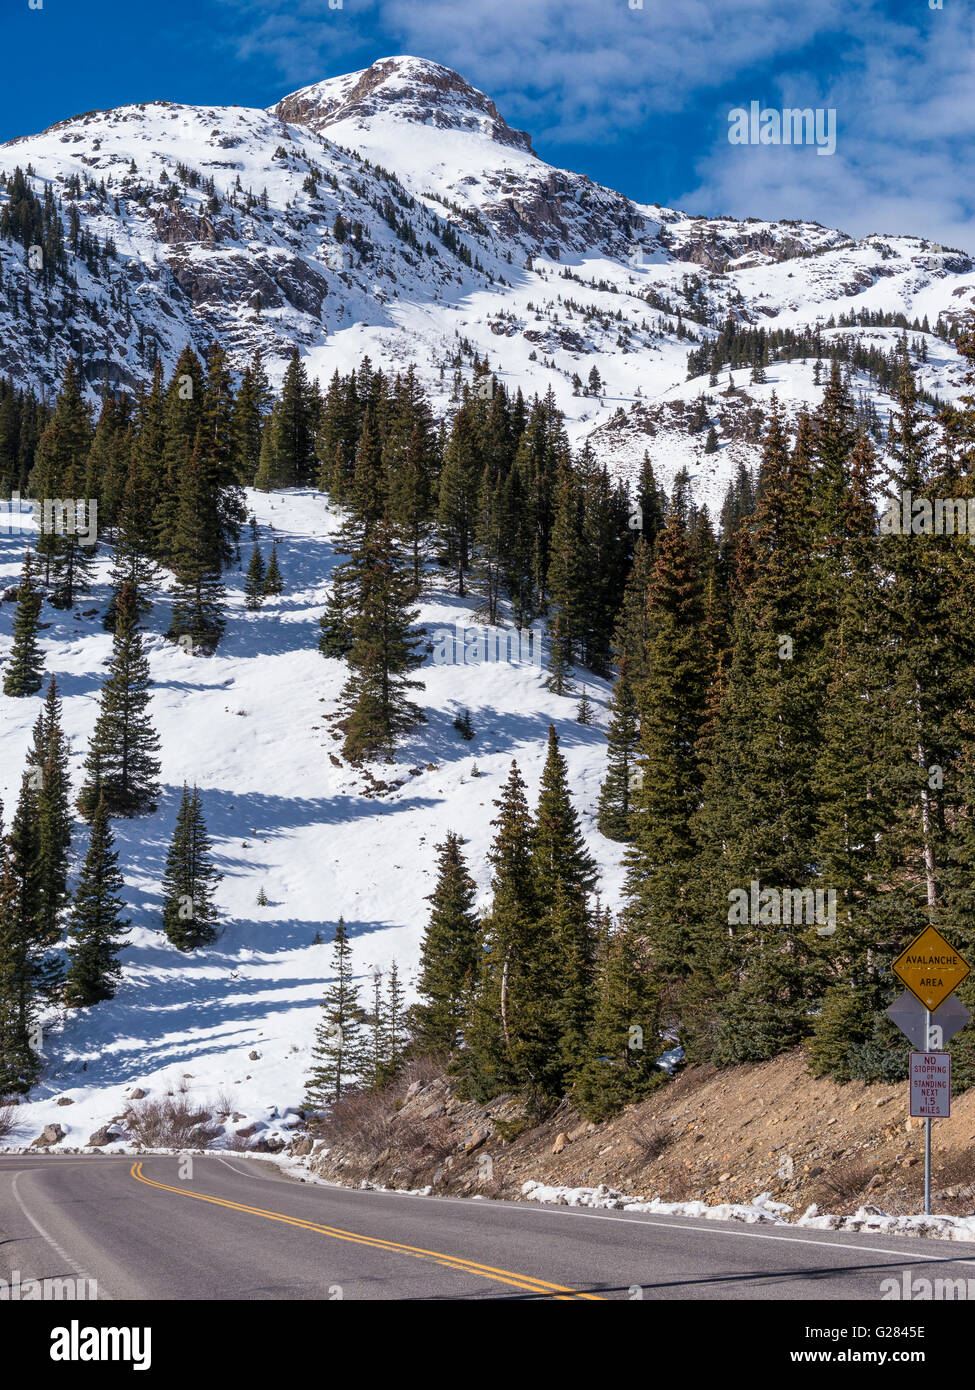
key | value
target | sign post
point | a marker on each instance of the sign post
(932, 970)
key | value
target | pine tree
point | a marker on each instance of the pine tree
(449, 955)
(633, 630)
(132, 562)
(624, 1039)
(584, 710)
(569, 586)
(292, 427)
(464, 726)
(395, 1025)
(711, 442)
(181, 411)
(189, 914)
(559, 678)
(411, 491)
(623, 738)
(72, 561)
(514, 1027)
(59, 464)
(96, 927)
(761, 979)
(47, 764)
(22, 674)
(20, 1065)
(273, 583)
(121, 766)
(337, 1051)
(564, 875)
(559, 854)
(459, 485)
(198, 599)
(255, 581)
(667, 792)
(383, 650)
(41, 968)
(372, 1072)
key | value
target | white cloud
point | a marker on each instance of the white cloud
(585, 72)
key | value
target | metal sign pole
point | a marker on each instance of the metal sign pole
(927, 1125)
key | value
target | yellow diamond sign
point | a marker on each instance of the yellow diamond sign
(931, 968)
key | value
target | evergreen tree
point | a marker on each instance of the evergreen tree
(464, 726)
(616, 796)
(514, 1027)
(584, 710)
(121, 766)
(624, 1038)
(47, 764)
(20, 1064)
(383, 650)
(22, 674)
(457, 505)
(189, 914)
(292, 427)
(132, 562)
(255, 581)
(559, 678)
(667, 792)
(760, 979)
(449, 954)
(273, 582)
(564, 875)
(396, 1029)
(41, 969)
(198, 599)
(96, 927)
(337, 1051)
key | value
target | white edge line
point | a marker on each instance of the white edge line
(79, 1272)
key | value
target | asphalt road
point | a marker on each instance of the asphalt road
(236, 1228)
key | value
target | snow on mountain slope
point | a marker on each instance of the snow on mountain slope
(250, 727)
(467, 241)
(462, 241)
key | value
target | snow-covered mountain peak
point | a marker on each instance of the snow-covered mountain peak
(405, 90)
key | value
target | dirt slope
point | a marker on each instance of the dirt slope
(708, 1135)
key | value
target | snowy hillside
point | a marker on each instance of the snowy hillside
(390, 213)
(251, 727)
(458, 240)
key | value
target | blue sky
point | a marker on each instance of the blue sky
(637, 98)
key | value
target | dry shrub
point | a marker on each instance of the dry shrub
(240, 1143)
(675, 1183)
(423, 1069)
(171, 1123)
(363, 1121)
(225, 1104)
(369, 1123)
(955, 1169)
(651, 1139)
(842, 1184)
(8, 1115)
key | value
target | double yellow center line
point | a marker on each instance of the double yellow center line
(500, 1276)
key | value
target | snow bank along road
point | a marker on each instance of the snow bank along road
(242, 1229)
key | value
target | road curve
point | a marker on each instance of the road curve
(232, 1228)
